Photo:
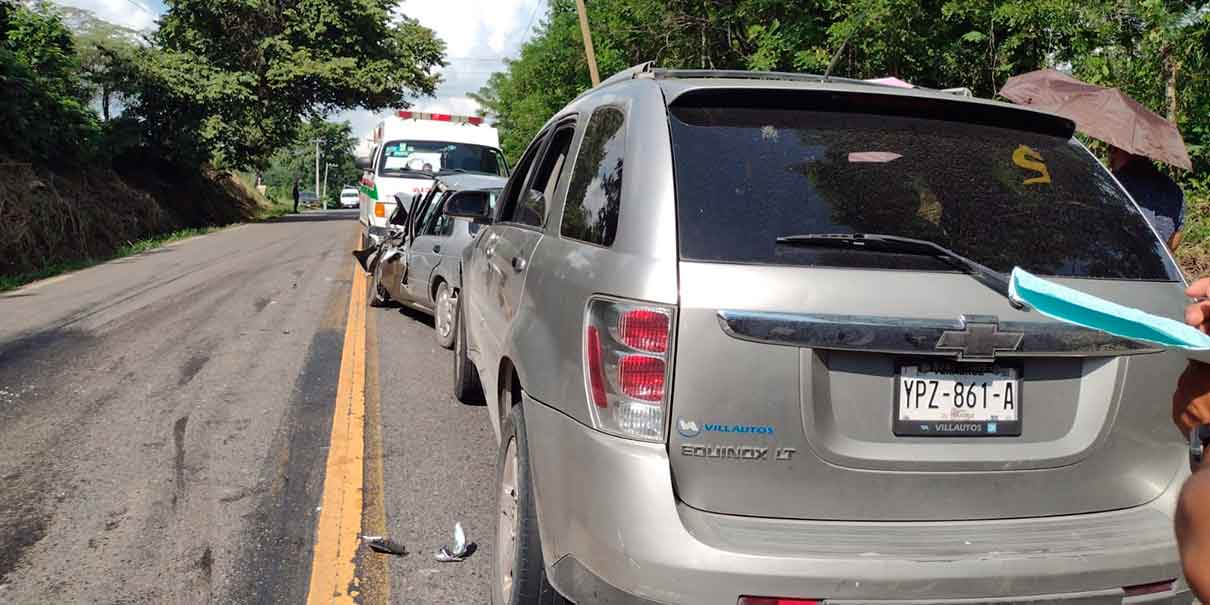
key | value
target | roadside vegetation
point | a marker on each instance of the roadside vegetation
(1157, 51)
(10, 282)
(110, 136)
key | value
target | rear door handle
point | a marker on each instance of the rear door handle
(519, 264)
(437, 248)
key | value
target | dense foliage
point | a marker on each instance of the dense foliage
(297, 161)
(108, 135)
(237, 75)
(228, 82)
(44, 109)
(1156, 50)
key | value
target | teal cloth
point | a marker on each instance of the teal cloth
(1082, 309)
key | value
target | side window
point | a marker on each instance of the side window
(501, 165)
(425, 222)
(512, 190)
(595, 193)
(442, 224)
(532, 205)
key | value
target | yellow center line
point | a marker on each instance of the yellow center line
(333, 566)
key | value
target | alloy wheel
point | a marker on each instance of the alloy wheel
(506, 523)
(445, 312)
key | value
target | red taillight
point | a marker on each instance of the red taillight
(627, 349)
(642, 377)
(776, 601)
(645, 330)
(596, 370)
(1152, 588)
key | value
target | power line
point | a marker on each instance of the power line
(143, 8)
(528, 27)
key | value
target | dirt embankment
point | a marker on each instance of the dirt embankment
(50, 217)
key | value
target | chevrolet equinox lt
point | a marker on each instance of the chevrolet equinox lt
(743, 339)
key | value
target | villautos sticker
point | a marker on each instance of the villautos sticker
(1031, 160)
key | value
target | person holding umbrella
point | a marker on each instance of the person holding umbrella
(1135, 134)
(1161, 199)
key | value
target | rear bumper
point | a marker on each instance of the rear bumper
(612, 527)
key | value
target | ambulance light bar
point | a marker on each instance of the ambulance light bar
(439, 117)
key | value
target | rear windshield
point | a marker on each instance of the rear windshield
(423, 159)
(1001, 197)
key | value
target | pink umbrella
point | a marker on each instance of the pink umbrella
(1103, 113)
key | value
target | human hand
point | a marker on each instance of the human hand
(1191, 401)
(1198, 313)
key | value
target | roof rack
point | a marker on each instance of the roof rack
(736, 74)
(649, 70)
(629, 73)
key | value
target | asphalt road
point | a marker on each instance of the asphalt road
(165, 422)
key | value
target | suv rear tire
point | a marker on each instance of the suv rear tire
(467, 387)
(518, 571)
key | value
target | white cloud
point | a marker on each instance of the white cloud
(468, 26)
(479, 35)
(135, 14)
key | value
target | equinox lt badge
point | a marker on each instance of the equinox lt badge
(736, 452)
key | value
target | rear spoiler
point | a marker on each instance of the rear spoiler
(948, 105)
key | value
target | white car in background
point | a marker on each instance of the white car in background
(349, 197)
(409, 150)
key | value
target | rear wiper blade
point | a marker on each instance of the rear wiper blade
(878, 242)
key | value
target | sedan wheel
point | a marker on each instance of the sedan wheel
(378, 293)
(506, 524)
(445, 322)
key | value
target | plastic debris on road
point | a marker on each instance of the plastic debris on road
(384, 545)
(460, 550)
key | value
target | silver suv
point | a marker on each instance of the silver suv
(743, 339)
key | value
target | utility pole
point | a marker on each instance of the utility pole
(323, 196)
(592, 57)
(317, 166)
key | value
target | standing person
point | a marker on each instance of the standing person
(1158, 195)
(1191, 407)
(296, 195)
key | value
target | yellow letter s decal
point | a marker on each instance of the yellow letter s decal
(1031, 160)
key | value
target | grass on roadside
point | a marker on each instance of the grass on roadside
(273, 210)
(1194, 252)
(10, 282)
(269, 210)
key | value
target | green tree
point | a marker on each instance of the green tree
(105, 52)
(44, 113)
(1156, 50)
(229, 79)
(296, 160)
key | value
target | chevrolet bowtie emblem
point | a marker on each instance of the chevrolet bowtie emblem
(979, 339)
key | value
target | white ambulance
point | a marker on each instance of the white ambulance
(409, 149)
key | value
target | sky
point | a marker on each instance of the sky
(478, 35)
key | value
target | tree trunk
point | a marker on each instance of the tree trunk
(105, 103)
(1170, 94)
